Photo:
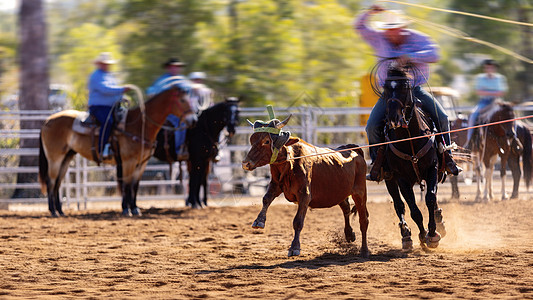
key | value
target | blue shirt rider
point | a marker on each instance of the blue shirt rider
(173, 67)
(489, 85)
(104, 92)
(410, 46)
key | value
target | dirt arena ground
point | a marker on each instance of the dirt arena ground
(178, 253)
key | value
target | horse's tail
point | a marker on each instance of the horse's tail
(43, 166)
(527, 153)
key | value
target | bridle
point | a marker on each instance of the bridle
(404, 106)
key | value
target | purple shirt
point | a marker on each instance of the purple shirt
(419, 47)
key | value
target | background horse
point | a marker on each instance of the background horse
(411, 161)
(509, 141)
(132, 147)
(202, 143)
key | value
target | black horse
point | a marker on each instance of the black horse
(202, 142)
(412, 161)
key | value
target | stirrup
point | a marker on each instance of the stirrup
(107, 153)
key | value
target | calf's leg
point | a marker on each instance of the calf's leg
(272, 192)
(360, 204)
(298, 223)
(348, 231)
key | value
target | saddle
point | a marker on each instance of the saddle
(486, 112)
(87, 124)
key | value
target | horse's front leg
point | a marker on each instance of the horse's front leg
(477, 174)
(407, 192)
(399, 207)
(503, 173)
(193, 199)
(489, 169)
(433, 237)
(304, 198)
(133, 201)
(205, 182)
(272, 192)
(514, 165)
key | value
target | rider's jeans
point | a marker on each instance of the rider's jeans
(104, 117)
(376, 121)
(484, 102)
(179, 135)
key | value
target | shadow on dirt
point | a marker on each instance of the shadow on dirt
(325, 260)
(151, 213)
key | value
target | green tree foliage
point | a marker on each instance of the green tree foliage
(164, 29)
(87, 41)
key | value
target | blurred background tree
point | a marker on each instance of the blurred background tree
(287, 52)
(514, 37)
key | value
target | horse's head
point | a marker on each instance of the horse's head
(231, 114)
(398, 96)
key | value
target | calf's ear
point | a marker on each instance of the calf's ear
(292, 141)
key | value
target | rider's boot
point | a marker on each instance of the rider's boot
(107, 153)
(375, 171)
(450, 165)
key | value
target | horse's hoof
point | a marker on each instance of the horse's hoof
(433, 241)
(364, 253)
(126, 212)
(258, 225)
(136, 212)
(514, 196)
(407, 243)
(54, 215)
(441, 229)
(294, 252)
(350, 237)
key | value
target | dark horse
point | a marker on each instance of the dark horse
(509, 141)
(410, 161)
(133, 145)
(202, 143)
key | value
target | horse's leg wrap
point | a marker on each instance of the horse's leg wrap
(407, 242)
(439, 222)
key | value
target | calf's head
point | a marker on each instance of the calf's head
(266, 141)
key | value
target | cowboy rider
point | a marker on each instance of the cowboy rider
(173, 68)
(104, 93)
(489, 85)
(392, 40)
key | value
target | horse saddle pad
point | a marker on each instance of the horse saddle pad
(85, 123)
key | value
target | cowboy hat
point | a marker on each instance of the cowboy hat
(105, 58)
(391, 19)
(197, 75)
(173, 62)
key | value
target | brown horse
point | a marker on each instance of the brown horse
(132, 147)
(508, 141)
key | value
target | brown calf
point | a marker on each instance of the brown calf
(318, 181)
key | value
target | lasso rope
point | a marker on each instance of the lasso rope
(459, 12)
(140, 100)
(412, 138)
(462, 35)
